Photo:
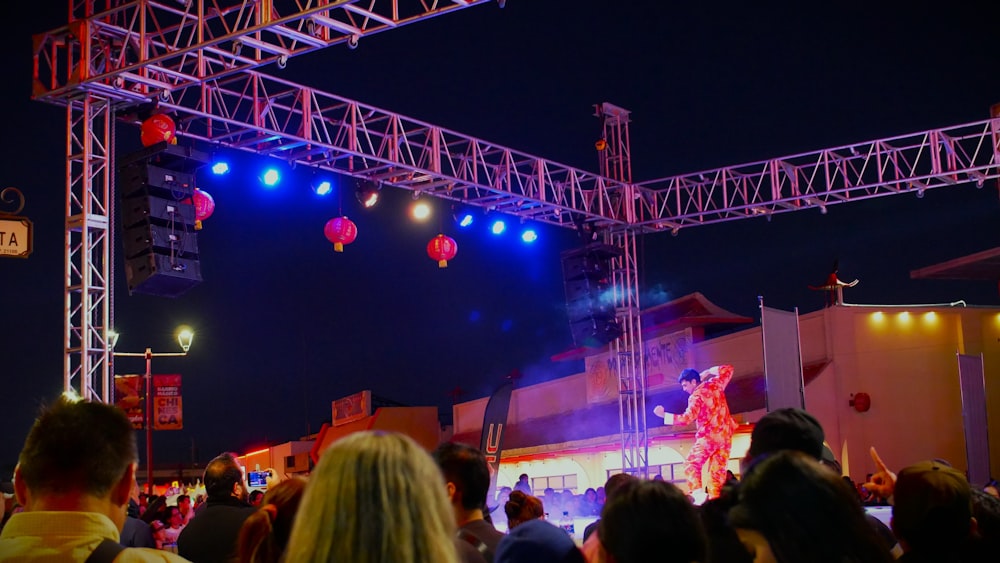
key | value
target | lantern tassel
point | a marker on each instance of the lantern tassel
(442, 263)
(197, 225)
(338, 247)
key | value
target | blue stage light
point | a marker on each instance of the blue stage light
(324, 187)
(271, 177)
(529, 236)
(498, 227)
(220, 168)
(465, 220)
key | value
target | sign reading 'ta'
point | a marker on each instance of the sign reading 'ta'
(15, 237)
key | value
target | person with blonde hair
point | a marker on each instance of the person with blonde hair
(374, 497)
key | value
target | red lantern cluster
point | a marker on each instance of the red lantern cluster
(340, 231)
(442, 248)
(204, 206)
(158, 128)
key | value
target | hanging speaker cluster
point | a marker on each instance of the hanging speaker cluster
(590, 300)
(158, 219)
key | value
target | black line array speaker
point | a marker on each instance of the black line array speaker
(158, 235)
(590, 303)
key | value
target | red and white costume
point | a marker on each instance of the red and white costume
(707, 407)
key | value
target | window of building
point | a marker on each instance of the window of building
(671, 472)
(556, 482)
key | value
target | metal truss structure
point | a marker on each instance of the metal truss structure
(627, 349)
(200, 60)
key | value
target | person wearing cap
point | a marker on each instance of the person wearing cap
(932, 514)
(537, 541)
(708, 408)
(786, 429)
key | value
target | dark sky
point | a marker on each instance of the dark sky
(284, 325)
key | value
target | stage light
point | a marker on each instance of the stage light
(321, 183)
(324, 187)
(498, 227)
(367, 193)
(220, 168)
(462, 215)
(271, 177)
(529, 236)
(421, 211)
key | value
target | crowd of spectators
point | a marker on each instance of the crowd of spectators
(377, 497)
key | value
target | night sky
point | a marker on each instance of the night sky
(284, 325)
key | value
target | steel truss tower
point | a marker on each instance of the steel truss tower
(89, 254)
(200, 60)
(616, 163)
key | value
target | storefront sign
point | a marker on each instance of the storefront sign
(15, 232)
(666, 356)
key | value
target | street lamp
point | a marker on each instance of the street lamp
(184, 338)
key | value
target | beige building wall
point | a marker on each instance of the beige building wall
(904, 358)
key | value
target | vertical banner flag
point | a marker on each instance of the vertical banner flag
(167, 411)
(785, 387)
(130, 397)
(494, 422)
(972, 382)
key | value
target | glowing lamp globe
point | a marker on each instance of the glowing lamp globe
(442, 248)
(204, 206)
(156, 129)
(340, 231)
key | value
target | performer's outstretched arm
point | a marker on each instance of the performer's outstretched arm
(668, 418)
(695, 405)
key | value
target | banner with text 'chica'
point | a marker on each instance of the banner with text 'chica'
(168, 413)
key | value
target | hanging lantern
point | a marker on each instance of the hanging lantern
(158, 128)
(601, 145)
(442, 248)
(340, 231)
(204, 205)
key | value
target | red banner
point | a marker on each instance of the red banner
(130, 397)
(168, 413)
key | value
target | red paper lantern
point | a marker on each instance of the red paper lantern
(442, 248)
(204, 206)
(158, 128)
(340, 231)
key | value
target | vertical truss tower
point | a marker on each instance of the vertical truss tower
(615, 163)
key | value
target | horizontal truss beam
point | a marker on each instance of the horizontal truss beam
(265, 115)
(908, 163)
(140, 51)
(133, 50)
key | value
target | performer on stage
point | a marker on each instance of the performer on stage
(708, 407)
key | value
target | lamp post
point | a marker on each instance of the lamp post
(184, 338)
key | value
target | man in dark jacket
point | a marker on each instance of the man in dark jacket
(211, 537)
